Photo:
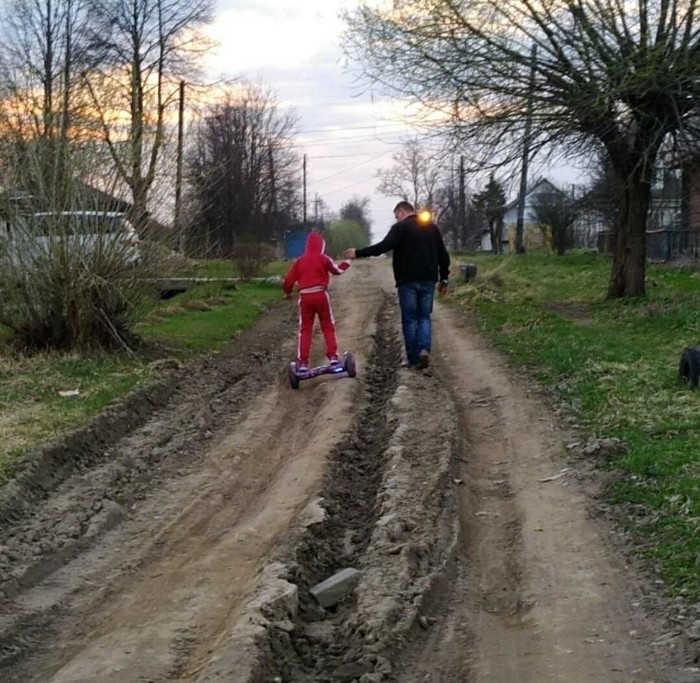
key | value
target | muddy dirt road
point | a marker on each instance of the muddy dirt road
(178, 537)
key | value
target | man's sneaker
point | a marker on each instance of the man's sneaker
(406, 364)
(424, 359)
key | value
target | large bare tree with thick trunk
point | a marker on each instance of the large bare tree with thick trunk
(608, 74)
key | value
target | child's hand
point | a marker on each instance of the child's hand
(288, 296)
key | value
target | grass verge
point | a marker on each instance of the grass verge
(613, 365)
(46, 394)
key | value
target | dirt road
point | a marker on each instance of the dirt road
(178, 537)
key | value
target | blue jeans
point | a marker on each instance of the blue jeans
(416, 304)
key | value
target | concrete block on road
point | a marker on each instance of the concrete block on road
(336, 587)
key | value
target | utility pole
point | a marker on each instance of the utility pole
(304, 192)
(462, 205)
(179, 231)
(317, 201)
(519, 247)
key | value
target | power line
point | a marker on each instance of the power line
(341, 156)
(352, 139)
(330, 128)
(349, 168)
(343, 189)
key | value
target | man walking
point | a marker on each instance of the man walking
(419, 261)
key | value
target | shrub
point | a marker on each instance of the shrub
(250, 258)
(67, 293)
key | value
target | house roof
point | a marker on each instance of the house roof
(540, 182)
(86, 197)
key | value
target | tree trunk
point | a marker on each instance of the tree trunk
(139, 207)
(629, 249)
(495, 236)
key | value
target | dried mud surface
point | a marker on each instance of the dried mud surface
(178, 536)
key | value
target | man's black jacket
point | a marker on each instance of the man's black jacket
(419, 252)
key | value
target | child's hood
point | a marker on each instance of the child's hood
(315, 244)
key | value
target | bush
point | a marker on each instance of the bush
(251, 258)
(343, 234)
(160, 259)
(72, 296)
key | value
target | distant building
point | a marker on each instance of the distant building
(535, 235)
(596, 215)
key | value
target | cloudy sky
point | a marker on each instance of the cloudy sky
(293, 47)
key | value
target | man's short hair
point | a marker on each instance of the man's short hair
(404, 206)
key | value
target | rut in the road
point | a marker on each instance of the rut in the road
(71, 492)
(349, 493)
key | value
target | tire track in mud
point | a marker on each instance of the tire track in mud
(175, 604)
(69, 494)
(485, 575)
(387, 507)
(351, 486)
(536, 592)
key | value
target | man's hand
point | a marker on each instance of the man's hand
(442, 288)
(350, 253)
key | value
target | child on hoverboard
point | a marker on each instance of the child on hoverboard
(310, 272)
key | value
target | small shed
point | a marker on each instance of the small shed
(294, 243)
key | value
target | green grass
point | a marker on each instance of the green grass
(230, 310)
(613, 364)
(31, 407)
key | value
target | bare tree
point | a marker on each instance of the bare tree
(460, 223)
(618, 75)
(414, 175)
(58, 290)
(44, 49)
(142, 49)
(555, 213)
(243, 170)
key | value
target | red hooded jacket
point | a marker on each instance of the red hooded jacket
(311, 270)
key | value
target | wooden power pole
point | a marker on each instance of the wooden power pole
(304, 190)
(179, 230)
(519, 225)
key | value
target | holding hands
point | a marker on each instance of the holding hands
(350, 253)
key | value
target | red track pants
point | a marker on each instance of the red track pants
(310, 306)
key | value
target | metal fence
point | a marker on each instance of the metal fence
(666, 245)
(662, 245)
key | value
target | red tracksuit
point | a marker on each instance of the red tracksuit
(311, 274)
